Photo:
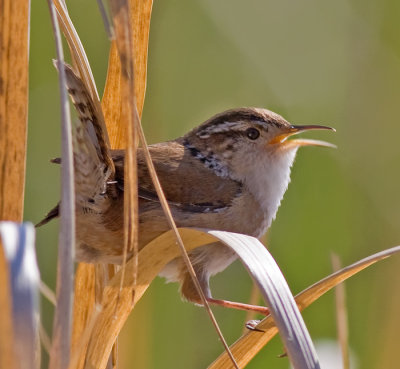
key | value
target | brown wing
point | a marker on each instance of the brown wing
(93, 164)
(187, 183)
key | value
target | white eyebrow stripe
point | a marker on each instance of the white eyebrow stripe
(222, 127)
(227, 126)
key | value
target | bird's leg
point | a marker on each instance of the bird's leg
(189, 292)
(238, 305)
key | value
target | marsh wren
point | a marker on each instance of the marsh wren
(230, 173)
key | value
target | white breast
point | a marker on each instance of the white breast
(269, 183)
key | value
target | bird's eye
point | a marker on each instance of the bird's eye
(252, 133)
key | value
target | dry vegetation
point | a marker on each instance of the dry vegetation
(105, 296)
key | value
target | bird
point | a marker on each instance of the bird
(229, 173)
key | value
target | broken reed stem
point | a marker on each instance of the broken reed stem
(60, 350)
(341, 315)
(47, 292)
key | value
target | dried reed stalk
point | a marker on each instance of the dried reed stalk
(14, 37)
(112, 104)
(129, 120)
(14, 41)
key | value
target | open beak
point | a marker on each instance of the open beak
(294, 130)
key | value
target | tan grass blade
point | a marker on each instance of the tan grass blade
(140, 15)
(14, 46)
(18, 242)
(253, 341)
(124, 39)
(120, 13)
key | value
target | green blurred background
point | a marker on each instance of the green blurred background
(329, 62)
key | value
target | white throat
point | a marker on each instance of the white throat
(269, 183)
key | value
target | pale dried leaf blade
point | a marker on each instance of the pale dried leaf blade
(111, 101)
(247, 346)
(62, 321)
(78, 53)
(18, 242)
(14, 31)
(273, 287)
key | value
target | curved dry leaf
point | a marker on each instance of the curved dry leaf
(77, 51)
(252, 342)
(152, 259)
(273, 287)
(18, 242)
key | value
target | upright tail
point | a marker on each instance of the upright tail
(93, 164)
